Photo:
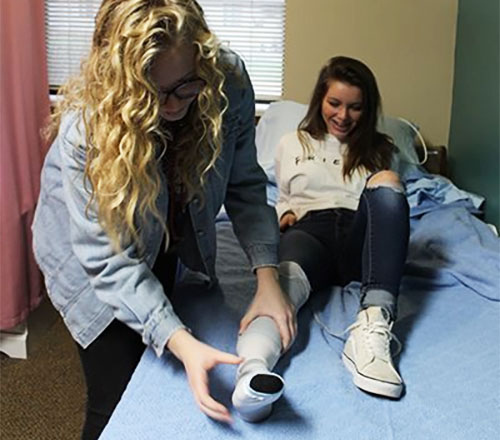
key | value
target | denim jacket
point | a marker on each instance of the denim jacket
(90, 284)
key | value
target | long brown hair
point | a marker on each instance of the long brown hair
(366, 146)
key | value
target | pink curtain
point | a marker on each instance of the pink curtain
(24, 106)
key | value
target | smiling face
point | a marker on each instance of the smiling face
(172, 68)
(341, 108)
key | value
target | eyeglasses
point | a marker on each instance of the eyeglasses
(185, 90)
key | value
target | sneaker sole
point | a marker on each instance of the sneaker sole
(371, 385)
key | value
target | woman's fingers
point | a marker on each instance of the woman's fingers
(285, 335)
(271, 301)
(206, 402)
(197, 372)
(286, 221)
(220, 416)
(247, 319)
(295, 325)
(283, 224)
(288, 330)
(227, 358)
(291, 332)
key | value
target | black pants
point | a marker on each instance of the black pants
(335, 246)
(108, 364)
(109, 361)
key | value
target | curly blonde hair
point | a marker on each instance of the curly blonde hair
(120, 108)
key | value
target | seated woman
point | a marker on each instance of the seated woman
(344, 216)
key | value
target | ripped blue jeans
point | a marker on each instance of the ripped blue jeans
(336, 246)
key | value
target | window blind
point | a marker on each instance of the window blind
(255, 29)
(252, 28)
(69, 25)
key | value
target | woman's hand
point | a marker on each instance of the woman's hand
(199, 358)
(271, 301)
(287, 219)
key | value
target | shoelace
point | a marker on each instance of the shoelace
(379, 337)
(326, 329)
(384, 331)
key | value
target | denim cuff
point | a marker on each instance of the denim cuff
(380, 298)
(160, 328)
(261, 255)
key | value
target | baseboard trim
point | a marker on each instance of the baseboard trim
(15, 343)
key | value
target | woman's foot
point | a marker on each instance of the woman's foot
(367, 353)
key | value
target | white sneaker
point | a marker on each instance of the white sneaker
(367, 353)
(255, 393)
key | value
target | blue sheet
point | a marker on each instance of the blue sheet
(448, 321)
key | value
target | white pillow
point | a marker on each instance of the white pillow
(282, 117)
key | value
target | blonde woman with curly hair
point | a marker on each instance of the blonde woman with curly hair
(153, 136)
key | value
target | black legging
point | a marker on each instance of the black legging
(108, 364)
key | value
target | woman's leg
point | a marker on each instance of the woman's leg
(299, 272)
(108, 364)
(260, 345)
(380, 234)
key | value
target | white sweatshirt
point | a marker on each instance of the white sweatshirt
(314, 181)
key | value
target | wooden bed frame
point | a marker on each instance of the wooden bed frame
(437, 159)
